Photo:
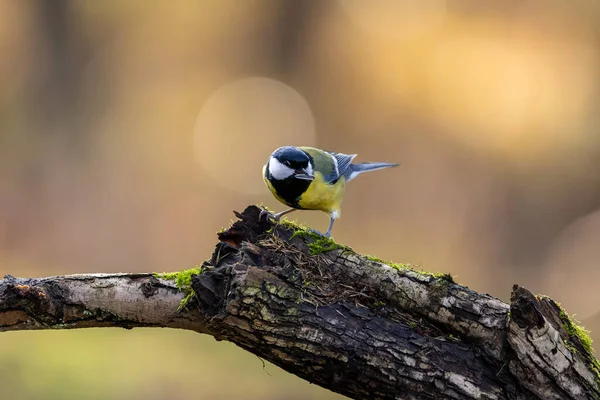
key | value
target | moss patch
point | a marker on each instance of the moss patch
(183, 281)
(398, 266)
(579, 340)
(403, 267)
(293, 225)
(302, 255)
(317, 244)
(576, 331)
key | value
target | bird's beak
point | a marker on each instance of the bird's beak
(303, 174)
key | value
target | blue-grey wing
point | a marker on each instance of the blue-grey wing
(343, 162)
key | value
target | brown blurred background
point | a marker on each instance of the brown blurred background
(130, 130)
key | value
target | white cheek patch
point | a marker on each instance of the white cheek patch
(278, 170)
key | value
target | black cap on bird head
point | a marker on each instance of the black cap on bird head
(289, 161)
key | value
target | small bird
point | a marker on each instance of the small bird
(307, 178)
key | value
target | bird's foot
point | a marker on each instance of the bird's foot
(267, 215)
(326, 234)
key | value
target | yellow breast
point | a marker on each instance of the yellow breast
(323, 196)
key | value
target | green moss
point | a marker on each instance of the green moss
(403, 267)
(569, 346)
(444, 277)
(288, 225)
(183, 281)
(318, 244)
(293, 225)
(398, 266)
(596, 369)
(576, 334)
(575, 330)
(323, 245)
(376, 259)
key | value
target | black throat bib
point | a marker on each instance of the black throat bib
(289, 189)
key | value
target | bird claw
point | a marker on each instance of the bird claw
(264, 213)
(326, 235)
(269, 215)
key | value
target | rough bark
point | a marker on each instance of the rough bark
(93, 300)
(360, 327)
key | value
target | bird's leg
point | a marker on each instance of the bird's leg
(277, 216)
(331, 221)
(328, 233)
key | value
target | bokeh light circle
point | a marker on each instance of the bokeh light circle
(242, 123)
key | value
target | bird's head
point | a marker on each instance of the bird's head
(290, 162)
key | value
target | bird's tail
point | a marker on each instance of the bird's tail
(356, 169)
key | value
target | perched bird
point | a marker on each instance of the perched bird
(306, 178)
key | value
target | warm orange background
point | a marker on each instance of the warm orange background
(130, 130)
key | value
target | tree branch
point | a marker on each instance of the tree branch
(93, 300)
(352, 324)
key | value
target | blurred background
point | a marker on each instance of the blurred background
(130, 130)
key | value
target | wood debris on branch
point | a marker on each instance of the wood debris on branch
(350, 323)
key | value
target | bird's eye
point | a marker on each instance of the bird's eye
(287, 163)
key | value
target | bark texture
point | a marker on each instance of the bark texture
(360, 327)
(93, 300)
